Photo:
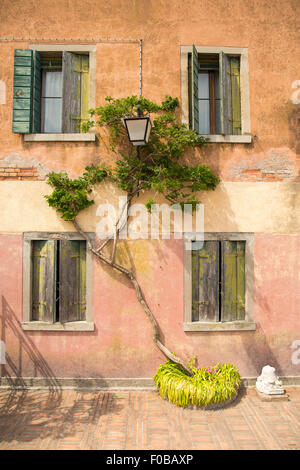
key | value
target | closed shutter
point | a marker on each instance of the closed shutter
(43, 280)
(233, 280)
(205, 282)
(193, 90)
(72, 281)
(22, 91)
(75, 91)
(235, 95)
(36, 93)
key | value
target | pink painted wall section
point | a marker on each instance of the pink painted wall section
(121, 345)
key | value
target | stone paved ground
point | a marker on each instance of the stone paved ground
(69, 419)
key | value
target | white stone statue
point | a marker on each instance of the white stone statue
(268, 382)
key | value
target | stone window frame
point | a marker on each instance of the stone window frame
(242, 325)
(75, 137)
(245, 137)
(28, 324)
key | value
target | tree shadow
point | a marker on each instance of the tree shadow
(27, 414)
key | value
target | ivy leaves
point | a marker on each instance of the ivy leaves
(156, 167)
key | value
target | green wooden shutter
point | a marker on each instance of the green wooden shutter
(84, 88)
(225, 94)
(75, 91)
(205, 282)
(233, 280)
(43, 280)
(193, 90)
(22, 91)
(72, 281)
(36, 93)
(235, 95)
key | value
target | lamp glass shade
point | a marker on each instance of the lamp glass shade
(138, 130)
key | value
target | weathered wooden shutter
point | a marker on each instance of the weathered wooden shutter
(230, 94)
(22, 91)
(235, 95)
(233, 280)
(193, 90)
(225, 94)
(72, 281)
(75, 102)
(43, 280)
(205, 282)
(36, 93)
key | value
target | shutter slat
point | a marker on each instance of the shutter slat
(205, 278)
(22, 92)
(43, 280)
(85, 88)
(72, 281)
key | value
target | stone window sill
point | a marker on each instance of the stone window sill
(229, 139)
(87, 137)
(220, 326)
(70, 326)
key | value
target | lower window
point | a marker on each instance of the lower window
(57, 282)
(218, 281)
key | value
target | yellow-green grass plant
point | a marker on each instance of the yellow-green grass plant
(207, 387)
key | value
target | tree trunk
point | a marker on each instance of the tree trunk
(139, 296)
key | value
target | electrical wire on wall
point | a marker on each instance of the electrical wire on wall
(94, 40)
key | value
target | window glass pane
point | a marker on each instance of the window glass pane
(51, 114)
(52, 84)
(203, 86)
(204, 125)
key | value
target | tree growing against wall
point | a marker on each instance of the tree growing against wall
(155, 167)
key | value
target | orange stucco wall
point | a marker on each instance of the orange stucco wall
(268, 30)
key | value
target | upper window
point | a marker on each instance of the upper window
(215, 92)
(53, 91)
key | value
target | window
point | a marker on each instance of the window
(54, 87)
(57, 283)
(215, 283)
(215, 92)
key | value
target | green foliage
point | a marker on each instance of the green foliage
(207, 386)
(155, 168)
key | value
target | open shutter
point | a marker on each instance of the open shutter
(235, 95)
(84, 88)
(43, 280)
(71, 100)
(205, 282)
(233, 284)
(22, 92)
(72, 281)
(36, 93)
(225, 94)
(193, 90)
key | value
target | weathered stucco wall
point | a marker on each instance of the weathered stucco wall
(269, 32)
(121, 345)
